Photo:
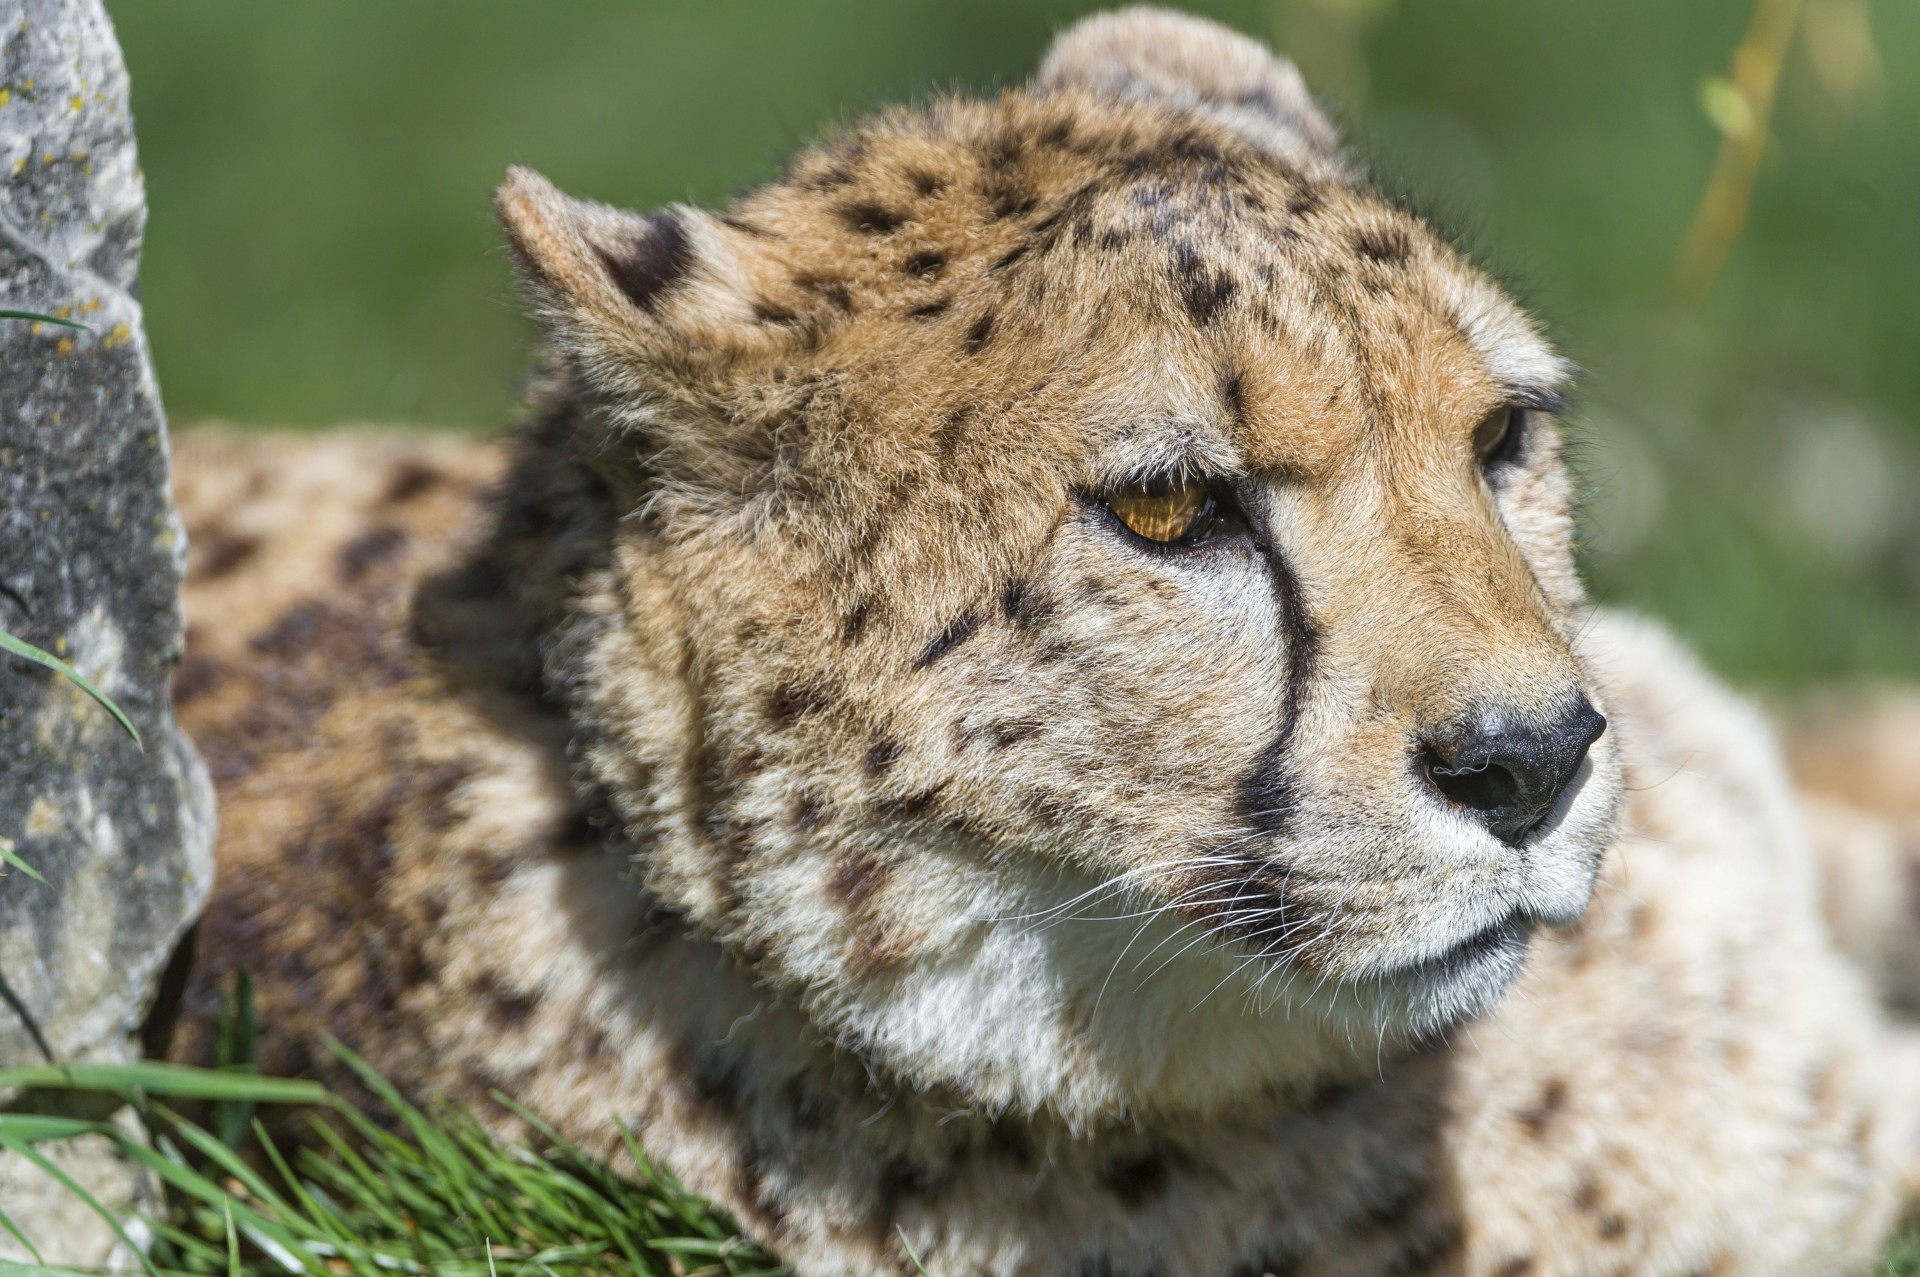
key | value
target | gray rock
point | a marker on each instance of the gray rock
(91, 554)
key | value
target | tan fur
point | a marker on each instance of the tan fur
(794, 759)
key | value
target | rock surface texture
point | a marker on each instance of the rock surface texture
(91, 555)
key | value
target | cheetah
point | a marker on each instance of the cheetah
(1023, 689)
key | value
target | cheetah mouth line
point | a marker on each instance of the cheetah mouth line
(1494, 953)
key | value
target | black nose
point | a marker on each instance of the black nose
(1510, 774)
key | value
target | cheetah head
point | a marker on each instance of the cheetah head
(1091, 617)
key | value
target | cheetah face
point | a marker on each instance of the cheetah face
(1095, 621)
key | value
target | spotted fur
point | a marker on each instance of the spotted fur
(794, 758)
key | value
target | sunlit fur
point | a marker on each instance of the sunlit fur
(801, 762)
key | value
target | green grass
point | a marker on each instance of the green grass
(407, 1191)
(1903, 1257)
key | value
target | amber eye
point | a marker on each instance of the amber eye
(1168, 511)
(1496, 438)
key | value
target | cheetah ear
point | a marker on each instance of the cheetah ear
(625, 293)
(1146, 52)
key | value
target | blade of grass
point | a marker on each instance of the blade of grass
(13, 1230)
(324, 1220)
(260, 1229)
(28, 651)
(218, 1154)
(157, 1078)
(33, 1128)
(907, 1246)
(10, 857)
(236, 1050)
(37, 317)
(49, 1167)
(233, 1240)
(13, 1268)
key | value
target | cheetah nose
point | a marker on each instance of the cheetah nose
(1509, 775)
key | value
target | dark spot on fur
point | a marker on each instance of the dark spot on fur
(1399, 1201)
(872, 219)
(745, 762)
(195, 676)
(294, 632)
(1586, 1194)
(790, 700)
(221, 553)
(364, 553)
(830, 288)
(769, 313)
(1015, 254)
(803, 814)
(912, 806)
(946, 440)
(827, 175)
(1520, 1267)
(1612, 1227)
(1006, 1139)
(870, 950)
(932, 308)
(1012, 732)
(737, 840)
(716, 1080)
(979, 334)
(410, 479)
(437, 785)
(1435, 1244)
(1233, 389)
(858, 880)
(903, 1177)
(1304, 203)
(1005, 201)
(650, 262)
(1270, 1264)
(804, 1104)
(1553, 1099)
(854, 624)
(1023, 606)
(745, 227)
(1203, 290)
(504, 1008)
(881, 755)
(921, 265)
(494, 871)
(756, 1191)
(925, 183)
(1136, 1179)
(1387, 245)
(953, 636)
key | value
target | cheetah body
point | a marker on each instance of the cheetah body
(777, 747)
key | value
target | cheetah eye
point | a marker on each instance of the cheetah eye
(1167, 511)
(1496, 440)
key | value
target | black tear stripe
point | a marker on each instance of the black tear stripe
(1267, 792)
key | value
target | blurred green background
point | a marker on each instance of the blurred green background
(321, 249)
